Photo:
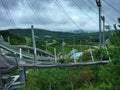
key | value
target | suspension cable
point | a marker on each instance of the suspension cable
(66, 14)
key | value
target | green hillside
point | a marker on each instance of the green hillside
(50, 36)
(14, 39)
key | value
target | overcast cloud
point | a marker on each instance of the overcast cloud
(47, 14)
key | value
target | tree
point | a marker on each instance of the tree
(111, 72)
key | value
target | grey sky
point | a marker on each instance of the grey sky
(47, 15)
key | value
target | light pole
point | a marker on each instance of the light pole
(108, 28)
(63, 43)
(81, 50)
(8, 39)
(98, 2)
(46, 45)
(55, 55)
(34, 44)
(74, 41)
(74, 56)
(103, 19)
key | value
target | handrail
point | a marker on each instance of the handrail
(15, 50)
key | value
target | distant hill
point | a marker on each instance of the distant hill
(46, 35)
(53, 35)
(77, 31)
(14, 39)
(43, 34)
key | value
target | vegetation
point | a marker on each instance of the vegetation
(50, 36)
(14, 39)
(98, 77)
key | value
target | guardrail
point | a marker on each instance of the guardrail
(15, 50)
